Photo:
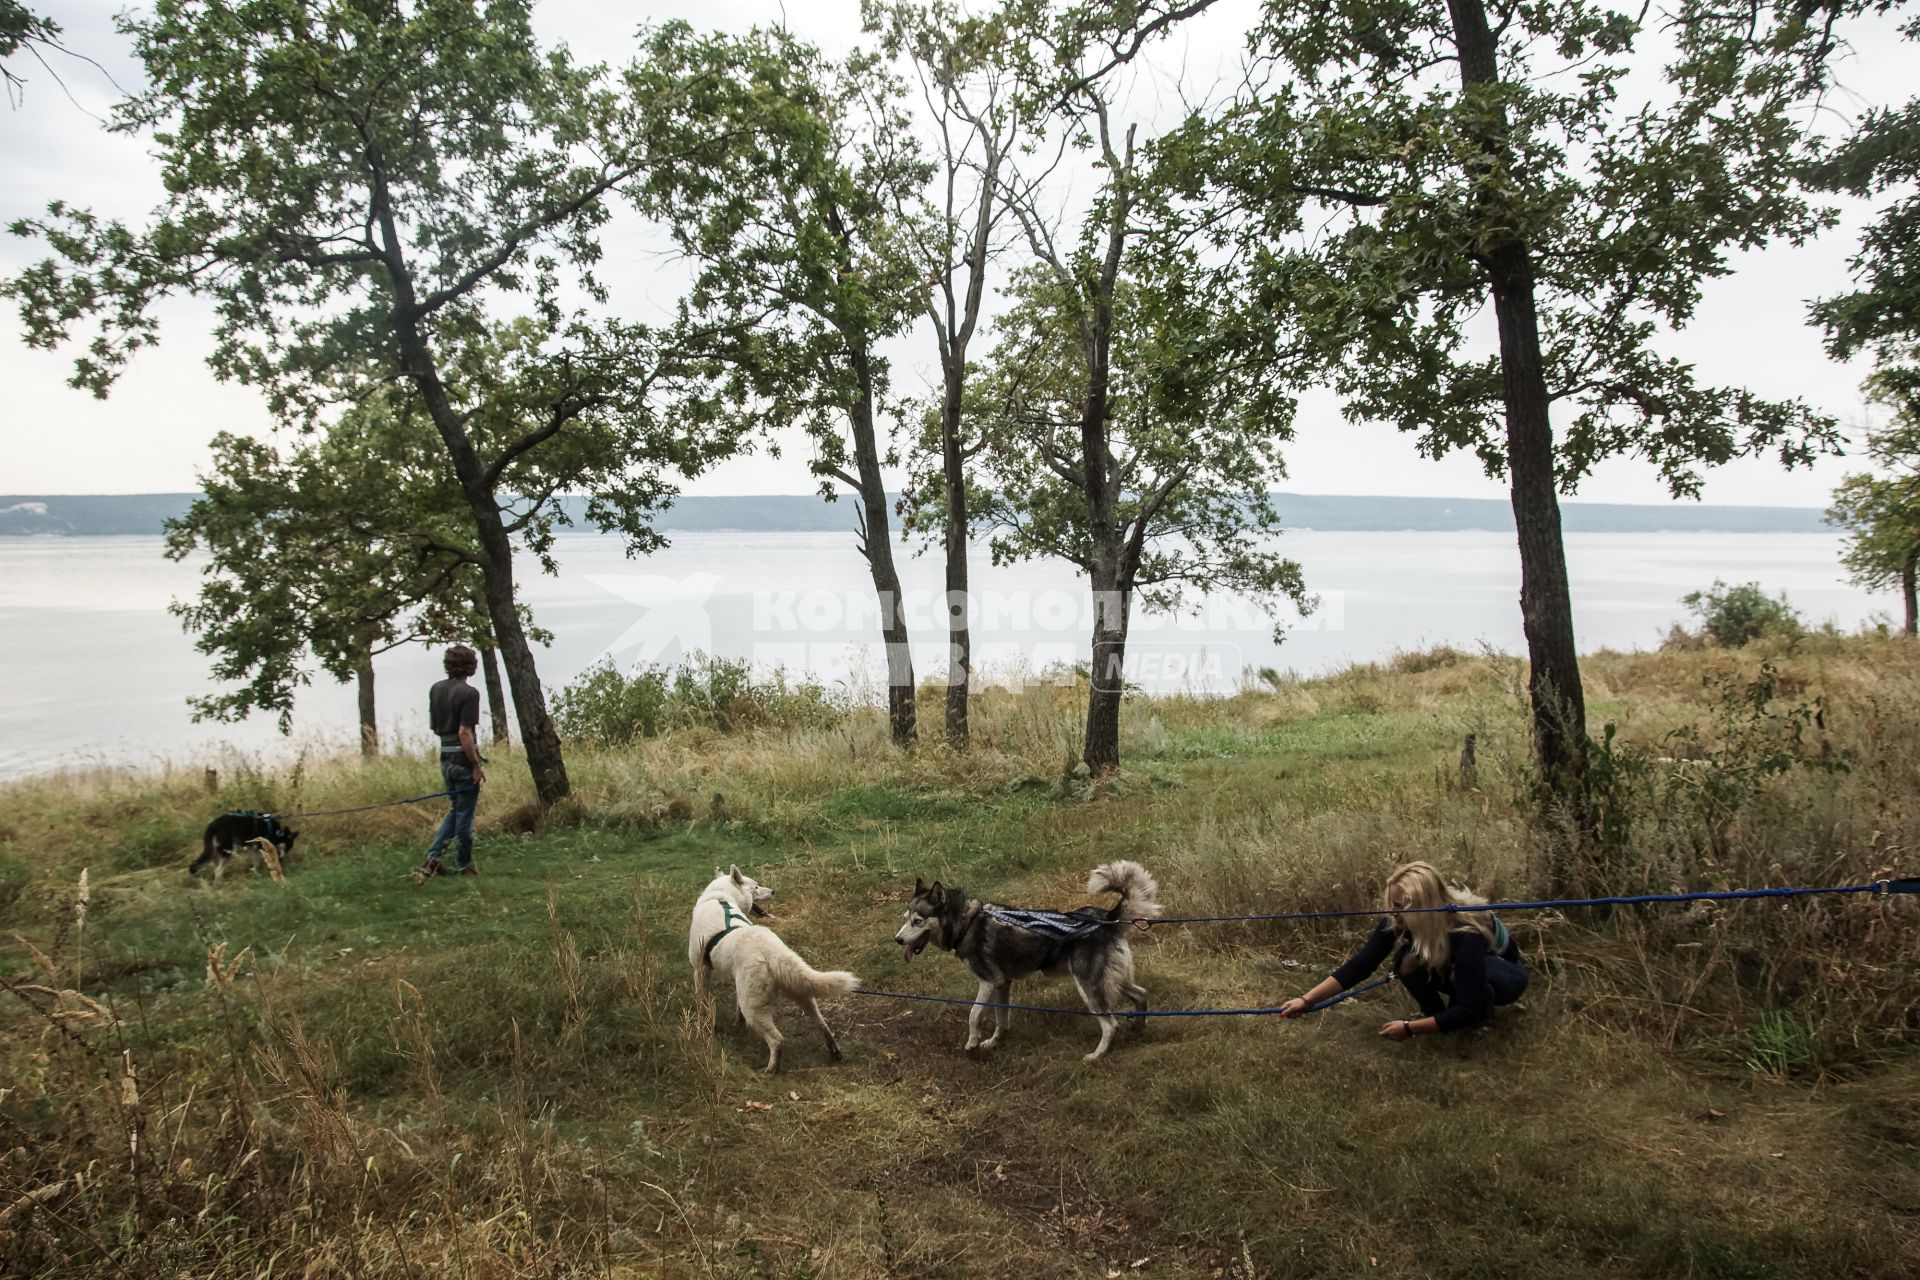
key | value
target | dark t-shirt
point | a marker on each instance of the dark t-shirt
(450, 704)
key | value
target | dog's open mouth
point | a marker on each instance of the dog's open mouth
(761, 911)
(908, 950)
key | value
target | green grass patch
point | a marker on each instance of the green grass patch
(505, 1075)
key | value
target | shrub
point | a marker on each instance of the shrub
(1414, 662)
(608, 706)
(713, 691)
(1736, 615)
(1670, 816)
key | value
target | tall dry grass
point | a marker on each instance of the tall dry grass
(123, 1153)
(266, 1119)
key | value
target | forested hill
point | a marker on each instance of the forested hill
(92, 515)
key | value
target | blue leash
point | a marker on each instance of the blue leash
(330, 813)
(1879, 888)
(1328, 1003)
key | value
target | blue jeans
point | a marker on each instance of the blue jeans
(1433, 992)
(1508, 980)
(458, 825)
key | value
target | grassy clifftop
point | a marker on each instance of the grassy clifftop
(352, 1075)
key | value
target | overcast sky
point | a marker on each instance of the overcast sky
(152, 434)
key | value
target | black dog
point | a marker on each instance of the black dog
(229, 830)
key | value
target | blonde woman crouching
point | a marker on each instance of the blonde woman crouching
(1456, 965)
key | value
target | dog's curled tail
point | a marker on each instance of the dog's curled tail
(1139, 892)
(796, 977)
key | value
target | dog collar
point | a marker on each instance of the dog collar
(732, 921)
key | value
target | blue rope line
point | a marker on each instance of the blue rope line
(1331, 1001)
(1328, 1003)
(330, 813)
(1878, 887)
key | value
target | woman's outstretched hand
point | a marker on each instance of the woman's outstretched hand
(1294, 1007)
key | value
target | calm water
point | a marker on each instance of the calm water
(96, 671)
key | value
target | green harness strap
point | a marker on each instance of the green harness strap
(733, 921)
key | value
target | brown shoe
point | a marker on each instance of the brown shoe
(468, 871)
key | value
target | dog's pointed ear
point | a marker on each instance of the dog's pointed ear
(919, 886)
(734, 871)
(934, 890)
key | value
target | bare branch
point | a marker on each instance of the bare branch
(1141, 35)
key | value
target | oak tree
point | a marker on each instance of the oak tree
(804, 268)
(306, 565)
(1133, 428)
(1880, 509)
(967, 81)
(1408, 167)
(1881, 314)
(357, 185)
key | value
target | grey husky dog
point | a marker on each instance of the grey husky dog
(998, 951)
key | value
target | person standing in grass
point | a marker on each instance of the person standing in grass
(453, 709)
(1457, 965)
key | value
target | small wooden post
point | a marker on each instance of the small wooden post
(1469, 766)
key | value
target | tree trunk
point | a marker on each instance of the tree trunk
(959, 632)
(1105, 573)
(496, 696)
(1108, 684)
(878, 549)
(529, 699)
(1546, 605)
(544, 757)
(1907, 590)
(1112, 603)
(957, 332)
(369, 726)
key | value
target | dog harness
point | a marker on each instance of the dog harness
(733, 921)
(1061, 928)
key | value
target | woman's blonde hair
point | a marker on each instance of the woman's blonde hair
(1431, 931)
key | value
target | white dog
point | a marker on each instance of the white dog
(723, 939)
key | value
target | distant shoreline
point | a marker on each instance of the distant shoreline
(145, 514)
